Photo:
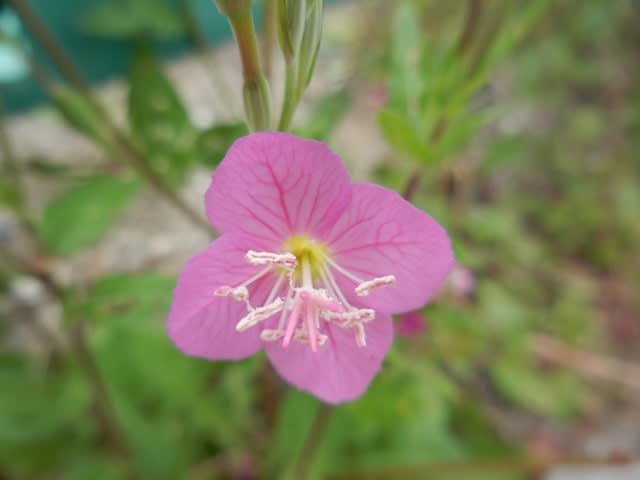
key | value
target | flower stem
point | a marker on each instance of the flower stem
(257, 101)
(55, 50)
(304, 461)
(269, 9)
(289, 101)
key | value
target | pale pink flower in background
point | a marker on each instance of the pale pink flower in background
(461, 281)
(310, 267)
(410, 324)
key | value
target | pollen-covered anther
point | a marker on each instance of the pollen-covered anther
(350, 318)
(271, 335)
(302, 336)
(284, 260)
(237, 293)
(363, 289)
(258, 314)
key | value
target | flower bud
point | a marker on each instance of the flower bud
(310, 44)
(257, 104)
(291, 24)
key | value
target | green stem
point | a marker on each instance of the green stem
(304, 461)
(270, 17)
(245, 35)
(257, 101)
(474, 10)
(13, 170)
(289, 101)
(48, 41)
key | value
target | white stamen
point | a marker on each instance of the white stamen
(352, 317)
(258, 314)
(306, 312)
(343, 271)
(284, 260)
(365, 288)
(361, 338)
(238, 293)
(303, 337)
(271, 335)
(330, 283)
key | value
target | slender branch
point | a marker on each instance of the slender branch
(11, 166)
(48, 41)
(474, 467)
(474, 11)
(304, 462)
(104, 410)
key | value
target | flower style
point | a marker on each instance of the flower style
(310, 267)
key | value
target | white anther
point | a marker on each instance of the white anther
(285, 260)
(352, 317)
(269, 335)
(302, 336)
(237, 293)
(258, 314)
(365, 288)
(361, 338)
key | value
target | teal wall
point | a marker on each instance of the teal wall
(100, 59)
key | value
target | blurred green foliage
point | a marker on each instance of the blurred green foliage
(543, 212)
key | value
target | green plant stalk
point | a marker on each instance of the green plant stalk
(257, 101)
(290, 100)
(14, 172)
(301, 467)
(472, 21)
(73, 75)
(268, 36)
(55, 50)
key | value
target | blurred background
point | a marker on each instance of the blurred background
(516, 124)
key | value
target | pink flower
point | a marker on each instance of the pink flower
(310, 267)
(410, 324)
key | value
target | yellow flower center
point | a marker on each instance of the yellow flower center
(309, 251)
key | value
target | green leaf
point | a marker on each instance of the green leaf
(405, 58)
(213, 143)
(126, 19)
(400, 134)
(81, 115)
(158, 119)
(80, 216)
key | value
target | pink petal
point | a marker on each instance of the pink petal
(340, 370)
(271, 185)
(383, 234)
(202, 324)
